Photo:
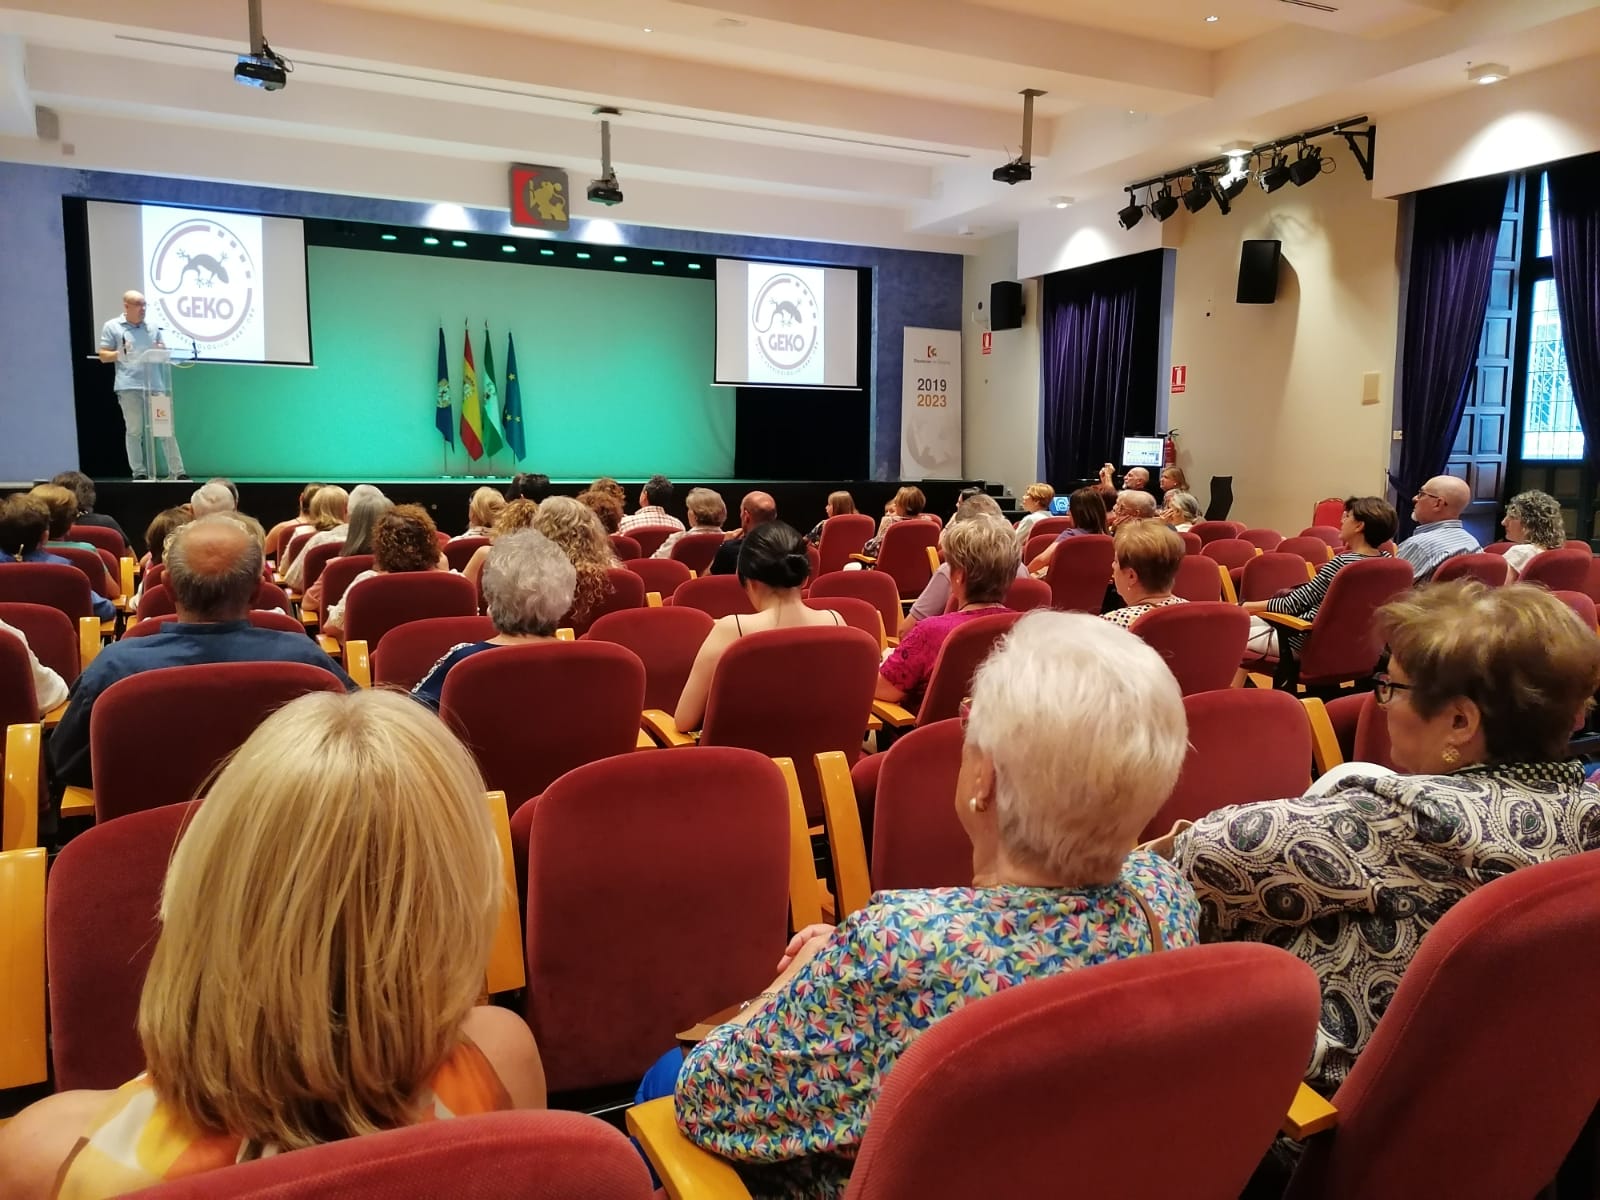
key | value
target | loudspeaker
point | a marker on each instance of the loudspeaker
(1258, 271)
(1005, 304)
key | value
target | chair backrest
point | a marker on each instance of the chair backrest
(139, 762)
(1313, 549)
(717, 596)
(1080, 573)
(1230, 551)
(1498, 547)
(1579, 544)
(317, 560)
(878, 590)
(458, 552)
(1191, 541)
(155, 601)
(1579, 603)
(1199, 579)
(903, 555)
(1592, 586)
(1037, 544)
(1202, 643)
(338, 575)
(594, 693)
(1486, 568)
(843, 536)
(261, 618)
(100, 930)
(1269, 573)
(974, 1106)
(696, 550)
(793, 693)
(19, 704)
(515, 1155)
(1328, 512)
(624, 547)
(624, 589)
(270, 595)
(1212, 531)
(295, 544)
(1326, 533)
(960, 655)
(87, 561)
(1507, 976)
(666, 641)
(410, 650)
(1372, 743)
(51, 584)
(1559, 570)
(1026, 594)
(1221, 498)
(49, 633)
(917, 838)
(1341, 644)
(662, 575)
(650, 537)
(854, 612)
(707, 848)
(1245, 744)
(99, 536)
(385, 601)
(1053, 526)
(1263, 539)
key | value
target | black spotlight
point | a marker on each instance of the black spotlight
(1226, 193)
(1275, 176)
(1199, 193)
(1164, 205)
(1307, 167)
(1131, 216)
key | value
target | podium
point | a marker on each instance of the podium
(155, 370)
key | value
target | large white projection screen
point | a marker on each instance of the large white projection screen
(786, 326)
(219, 286)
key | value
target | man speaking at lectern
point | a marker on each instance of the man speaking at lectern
(123, 340)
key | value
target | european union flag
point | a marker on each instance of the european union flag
(443, 417)
(515, 438)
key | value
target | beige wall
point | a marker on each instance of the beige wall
(999, 391)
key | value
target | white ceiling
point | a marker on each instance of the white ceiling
(853, 120)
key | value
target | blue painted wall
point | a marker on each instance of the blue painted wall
(38, 434)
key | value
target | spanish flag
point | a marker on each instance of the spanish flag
(471, 409)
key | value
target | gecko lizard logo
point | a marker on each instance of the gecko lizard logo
(206, 282)
(785, 322)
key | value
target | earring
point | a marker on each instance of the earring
(975, 804)
(1451, 756)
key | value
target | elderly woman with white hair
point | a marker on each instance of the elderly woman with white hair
(528, 583)
(1180, 510)
(1074, 737)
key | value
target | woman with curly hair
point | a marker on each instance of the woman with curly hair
(604, 504)
(1533, 522)
(518, 514)
(405, 540)
(582, 538)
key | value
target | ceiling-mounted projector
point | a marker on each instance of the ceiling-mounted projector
(263, 67)
(1020, 168)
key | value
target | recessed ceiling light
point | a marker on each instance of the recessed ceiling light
(583, 254)
(656, 262)
(547, 252)
(458, 243)
(694, 266)
(647, 29)
(1487, 72)
(509, 248)
(1061, 201)
(430, 241)
(619, 258)
(389, 237)
(1212, 19)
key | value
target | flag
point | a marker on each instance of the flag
(441, 409)
(492, 441)
(471, 410)
(513, 409)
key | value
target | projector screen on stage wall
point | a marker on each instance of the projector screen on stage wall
(786, 326)
(219, 286)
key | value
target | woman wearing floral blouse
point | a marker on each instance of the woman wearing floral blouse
(1075, 737)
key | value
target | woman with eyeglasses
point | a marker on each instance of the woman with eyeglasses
(1483, 691)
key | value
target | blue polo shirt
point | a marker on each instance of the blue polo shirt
(135, 376)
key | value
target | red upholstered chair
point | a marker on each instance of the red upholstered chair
(662, 575)
(1232, 553)
(458, 551)
(591, 694)
(843, 536)
(1579, 544)
(707, 849)
(814, 563)
(1559, 570)
(717, 596)
(221, 703)
(1191, 542)
(338, 574)
(1265, 540)
(853, 611)
(410, 650)
(650, 537)
(1313, 549)
(1199, 579)
(1212, 531)
(666, 641)
(157, 574)
(100, 537)
(1580, 603)
(51, 584)
(1498, 547)
(1054, 526)
(269, 595)
(155, 601)
(624, 589)
(1037, 544)
(974, 1106)
(297, 543)
(441, 537)
(878, 590)
(1507, 976)
(1340, 645)
(87, 561)
(1326, 533)
(1489, 569)
(903, 555)
(1592, 587)
(1361, 726)
(1202, 643)
(1265, 575)
(917, 838)
(1245, 744)
(384, 601)
(1080, 572)
(100, 930)
(50, 635)
(317, 560)
(497, 1156)
(697, 550)
(261, 618)
(624, 547)
(1026, 594)
(1328, 512)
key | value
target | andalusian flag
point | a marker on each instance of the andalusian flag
(492, 442)
(471, 409)
(441, 410)
(513, 410)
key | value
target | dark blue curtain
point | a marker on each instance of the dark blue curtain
(1454, 231)
(1575, 229)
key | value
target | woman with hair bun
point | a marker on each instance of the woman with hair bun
(772, 567)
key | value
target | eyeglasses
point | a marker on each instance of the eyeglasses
(1384, 689)
(1423, 493)
(964, 711)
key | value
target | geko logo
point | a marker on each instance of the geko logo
(206, 280)
(785, 322)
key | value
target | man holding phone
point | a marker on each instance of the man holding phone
(124, 340)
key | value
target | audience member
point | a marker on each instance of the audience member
(935, 598)
(772, 566)
(528, 584)
(404, 540)
(524, 486)
(1137, 479)
(366, 508)
(1036, 500)
(224, 481)
(278, 536)
(578, 533)
(330, 515)
(839, 504)
(160, 529)
(1534, 524)
(211, 498)
(1074, 741)
(288, 1008)
(606, 506)
(49, 689)
(62, 505)
(607, 484)
(81, 486)
(1483, 690)
(707, 512)
(1181, 511)
(517, 514)
(1368, 522)
(1131, 506)
(482, 509)
(1437, 509)
(908, 504)
(652, 514)
(756, 509)
(1088, 512)
(1173, 479)
(1143, 570)
(24, 526)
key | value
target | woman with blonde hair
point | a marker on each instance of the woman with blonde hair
(1533, 523)
(482, 509)
(330, 517)
(583, 540)
(517, 514)
(276, 539)
(286, 1008)
(839, 503)
(1036, 505)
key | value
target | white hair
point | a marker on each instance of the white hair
(528, 582)
(1086, 729)
(211, 498)
(1141, 504)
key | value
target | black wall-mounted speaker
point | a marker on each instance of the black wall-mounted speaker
(1258, 271)
(1005, 304)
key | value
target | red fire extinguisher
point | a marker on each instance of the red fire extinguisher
(1169, 450)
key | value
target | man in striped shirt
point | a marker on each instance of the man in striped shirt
(1437, 509)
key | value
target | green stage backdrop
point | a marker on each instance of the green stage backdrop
(615, 373)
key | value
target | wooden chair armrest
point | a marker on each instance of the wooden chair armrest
(77, 802)
(309, 617)
(506, 972)
(358, 663)
(893, 714)
(330, 647)
(1230, 594)
(125, 568)
(1283, 620)
(22, 1050)
(890, 643)
(862, 558)
(53, 718)
(933, 558)
(852, 886)
(19, 818)
(661, 726)
(1308, 1114)
(88, 641)
(686, 1171)
(566, 635)
(1325, 751)
(805, 907)
(108, 628)
(652, 599)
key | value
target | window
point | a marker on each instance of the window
(1551, 430)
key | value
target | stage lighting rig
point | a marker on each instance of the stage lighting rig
(263, 67)
(1275, 176)
(1133, 214)
(1199, 193)
(1307, 166)
(1165, 204)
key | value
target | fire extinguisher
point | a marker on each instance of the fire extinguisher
(1169, 450)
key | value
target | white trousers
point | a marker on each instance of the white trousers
(133, 414)
(1263, 642)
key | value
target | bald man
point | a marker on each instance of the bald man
(757, 508)
(122, 340)
(213, 566)
(1437, 509)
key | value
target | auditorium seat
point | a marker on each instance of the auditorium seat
(1339, 646)
(458, 551)
(960, 655)
(1350, 728)
(100, 537)
(917, 838)
(409, 651)
(696, 550)
(317, 559)
(1265, 540)
(1026, 594)
(716, 595)
(63, 588)
(1213, 531)
(1498, 547)
(1191, 541)
(50, 635)
(624, 589)
(661, 575)
(155, 601)
(1559, 570)
(649, 537)
(842, 536)
(339, 574)
(624, 547)
(22, 967)
(1579, 603)
(1202, 643)
(878, 590)
(1232, 553)
(1313, 549)
(1328, 512)
(21, 752)
(102, 581)
(1326, 533)
(903, 555)
(856, 613)
(1080, 572)
(1488, 569)
(1053, 526)
(385, 601)
(666, 641)
(1037, 544)
(261, 618)
(297, 543)
(1267, 574)
(1199, 578)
